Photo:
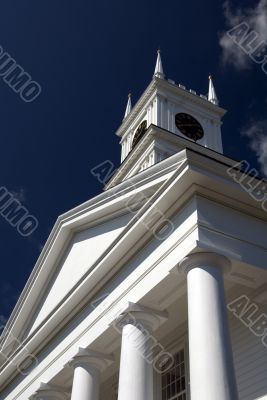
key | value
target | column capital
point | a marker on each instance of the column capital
(136, 313)
(204, 259)
(91, 358)
(52, 392)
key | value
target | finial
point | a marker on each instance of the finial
(212, 97)
(129, 105)
(159, 68)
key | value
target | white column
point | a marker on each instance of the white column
(136, 363)
(49, 392)
(87, 366)
(212, 373)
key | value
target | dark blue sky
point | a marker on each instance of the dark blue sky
(87, 55)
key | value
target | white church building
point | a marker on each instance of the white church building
(156, 289)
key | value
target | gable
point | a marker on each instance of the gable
(170, 185)
(86, 247)
(80, 247)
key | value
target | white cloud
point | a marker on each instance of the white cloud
(257, 133)
(255, 18)
(19, 194)
(3, 322)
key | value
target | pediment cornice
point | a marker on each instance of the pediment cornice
(192, 173)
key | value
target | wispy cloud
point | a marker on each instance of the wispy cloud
(8, 298)
(257, 133)
(255, 19)
(19, 194)
(3, 321)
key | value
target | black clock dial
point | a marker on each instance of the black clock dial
(141, 130)
(189, 126)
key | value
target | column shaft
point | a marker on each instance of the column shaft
(87, 366)
(85, 383)
(136, 364)
(212, 373)
(136, 374)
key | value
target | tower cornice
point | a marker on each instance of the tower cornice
(156, 85)
(152, 133)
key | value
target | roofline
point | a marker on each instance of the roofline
(193, 159)
(153, 130)
(163, 83)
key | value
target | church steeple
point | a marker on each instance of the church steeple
(166, 119)
(159, 73)
(212, 97)
(129, 105)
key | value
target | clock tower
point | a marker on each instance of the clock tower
(166, 119)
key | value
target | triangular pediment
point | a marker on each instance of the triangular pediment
(166, 187)
(80, 239)
(81, 254)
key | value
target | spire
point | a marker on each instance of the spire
(159, 69)
(212, 94)
(129, 105)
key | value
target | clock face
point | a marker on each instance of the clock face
(141, 130)
(189, 126)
